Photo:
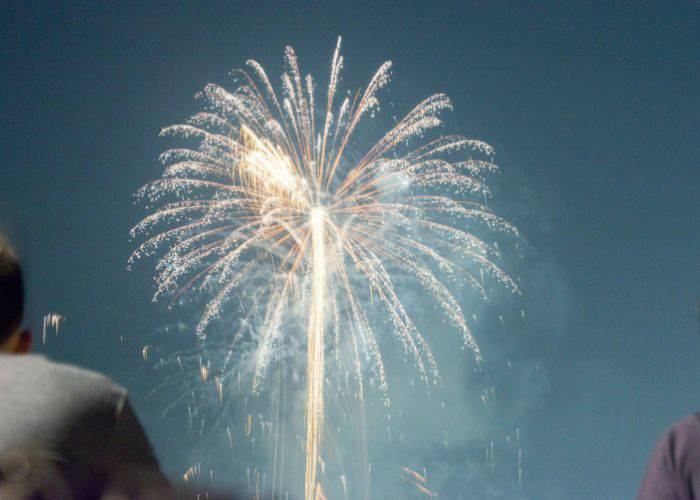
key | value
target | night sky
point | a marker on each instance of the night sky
(593, 109)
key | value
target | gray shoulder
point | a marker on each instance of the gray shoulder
(47, 376)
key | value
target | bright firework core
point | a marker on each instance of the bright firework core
(267, 212)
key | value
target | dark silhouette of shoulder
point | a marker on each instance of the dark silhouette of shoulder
(674, 467)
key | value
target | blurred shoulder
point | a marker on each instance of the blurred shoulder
(679, 447)
(46, 375)
(673, 470)
(688, 426)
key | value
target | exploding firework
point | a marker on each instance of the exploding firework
(269, 209)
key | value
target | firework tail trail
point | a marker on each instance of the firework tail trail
(315, 356)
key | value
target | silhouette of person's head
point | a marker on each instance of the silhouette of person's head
(13, 338)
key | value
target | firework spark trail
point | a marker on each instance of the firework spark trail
(268, 206)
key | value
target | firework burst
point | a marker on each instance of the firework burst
(268, 208)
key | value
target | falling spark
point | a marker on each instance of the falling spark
(203, 370)
(419, 482)
(249, 426)
(230, 438)
(191, 473)
(219, 389)
(342, 481)
(51, 320)
(269, 205)
(415, 475)
(425, 491)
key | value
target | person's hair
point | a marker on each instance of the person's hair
(11, 290)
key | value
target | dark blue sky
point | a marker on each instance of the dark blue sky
(594, 111)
